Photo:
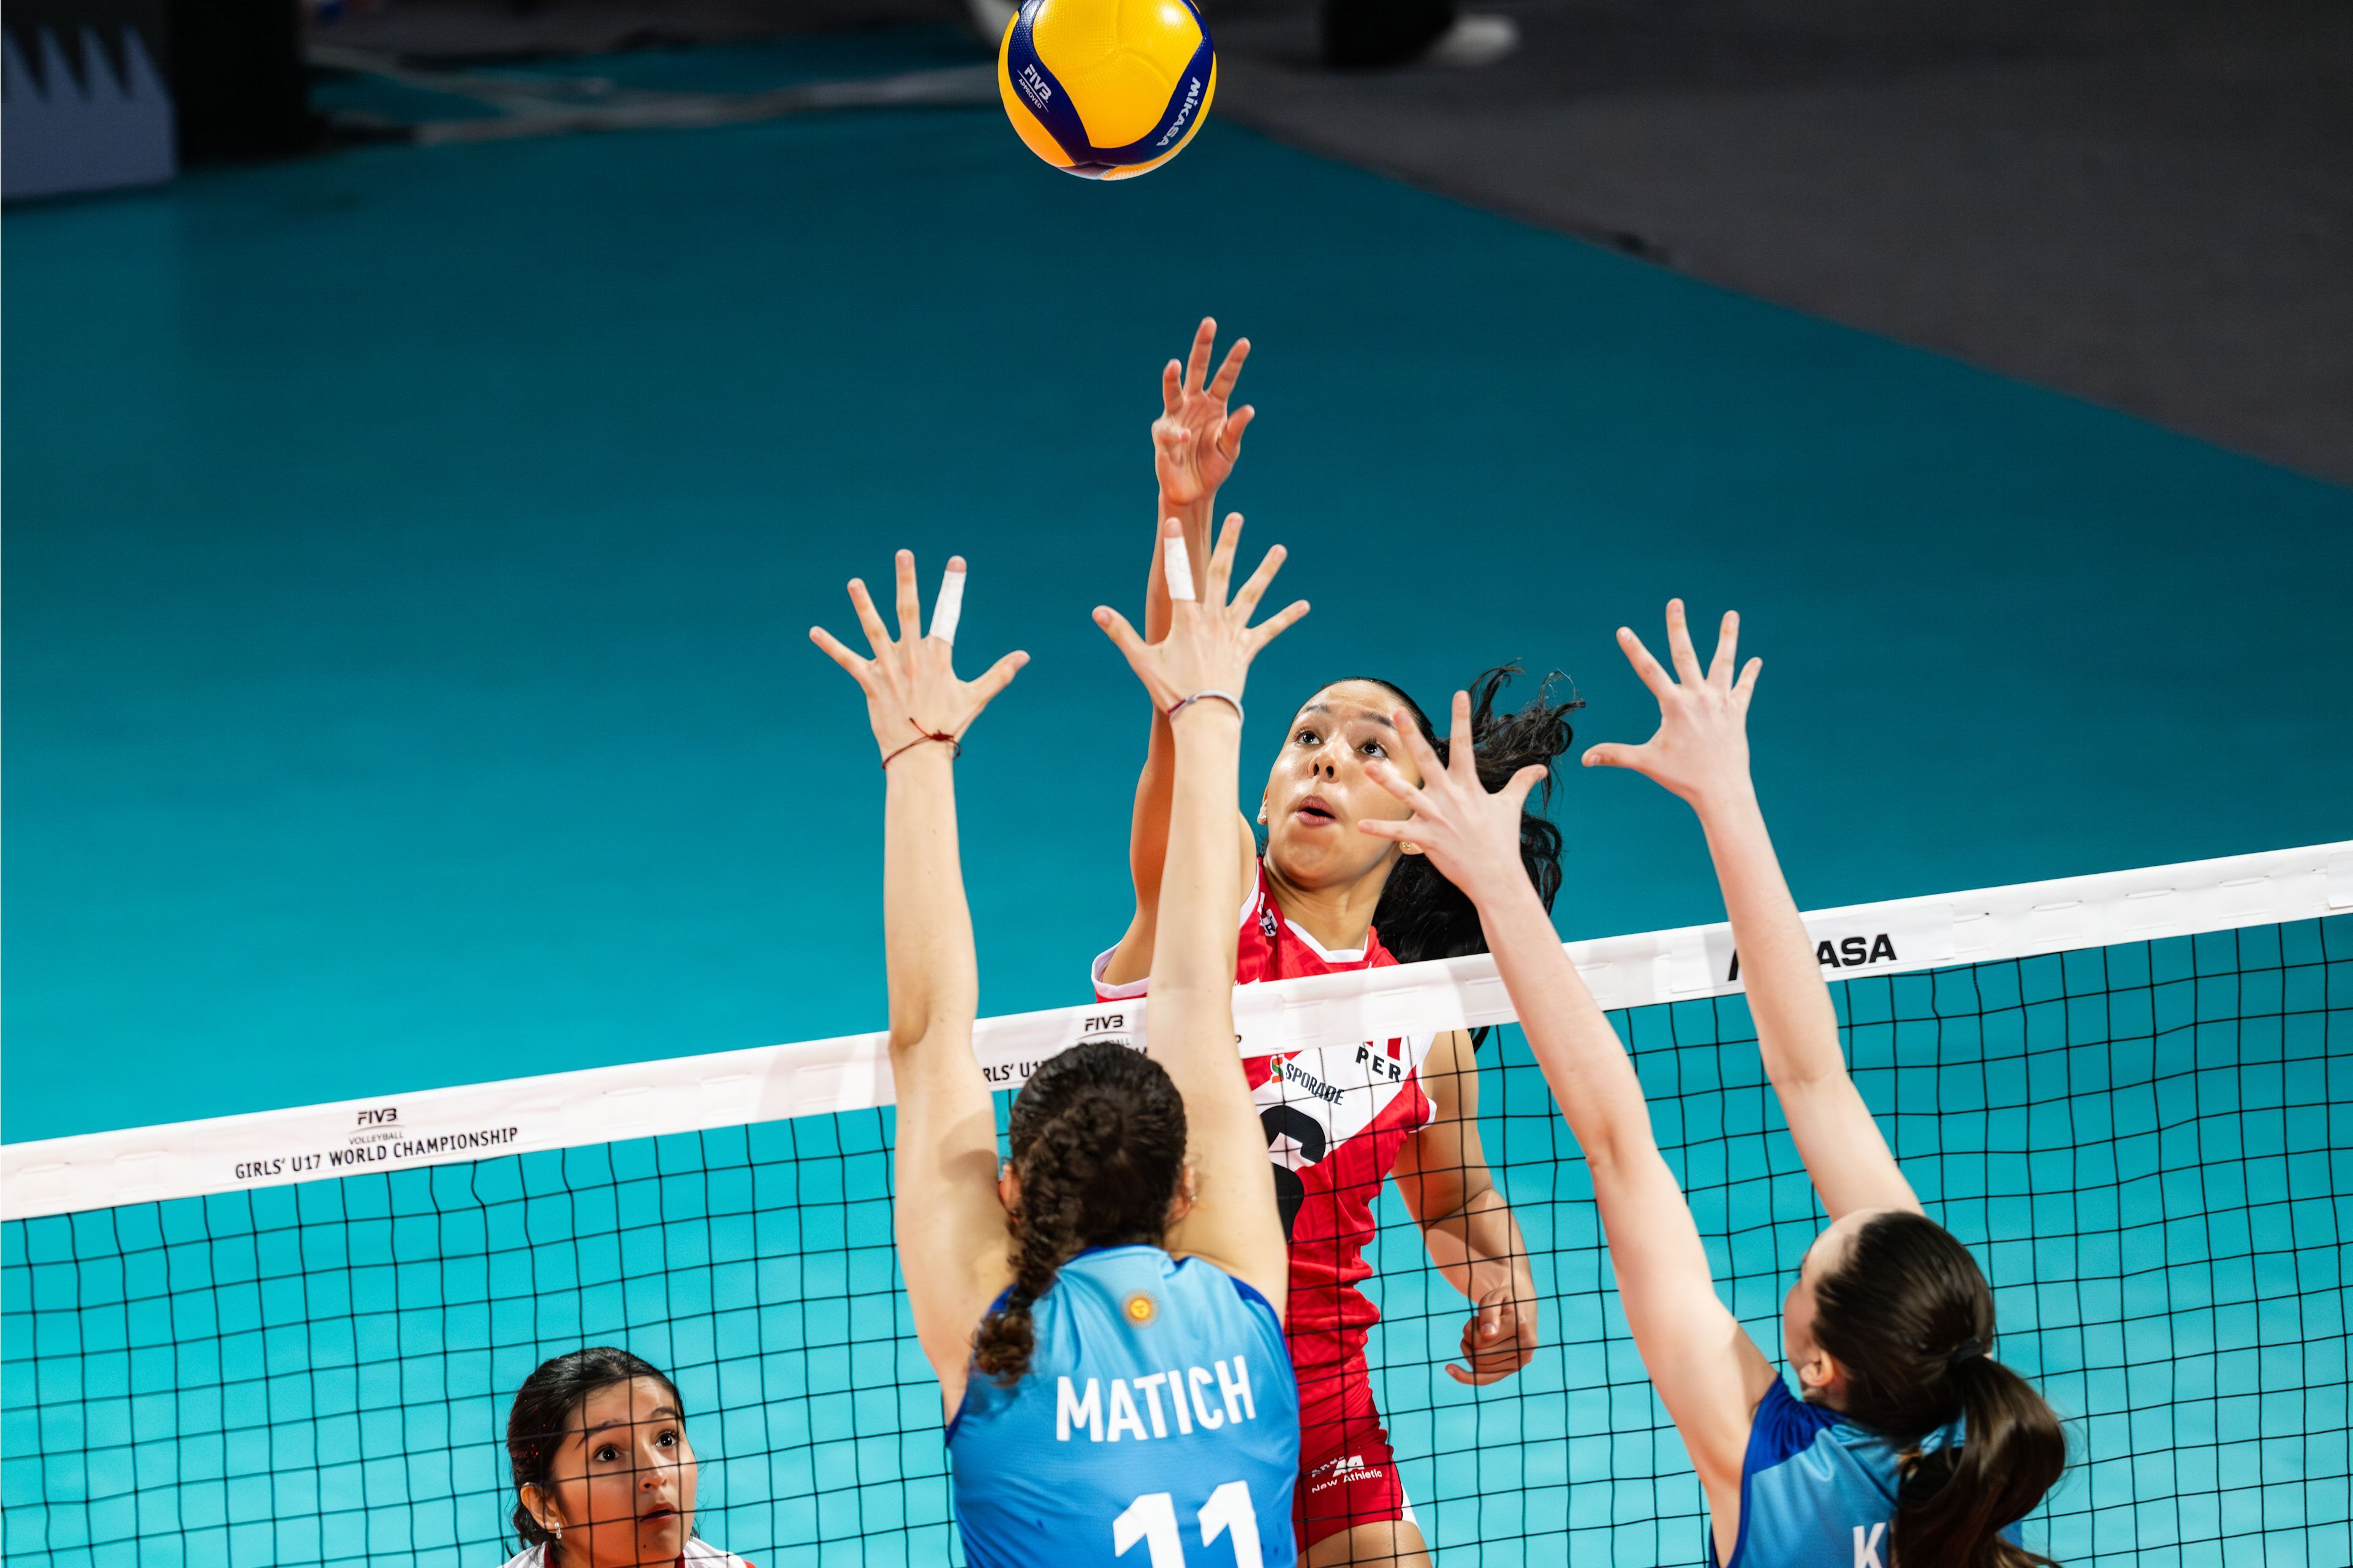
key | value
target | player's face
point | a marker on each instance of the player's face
(623, 1481)
(1797, 1310)
(1319, 790)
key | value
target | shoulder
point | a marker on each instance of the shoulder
(1132, 955)
(701, 1553)
(1208, 1284)
(529, 1557)
(1783, 1427)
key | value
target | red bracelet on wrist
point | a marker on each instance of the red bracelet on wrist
(923, 737)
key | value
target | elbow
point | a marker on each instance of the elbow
(1173, 985)
(923, 1030)
(1189, 997)
(1192, 1003)
(1615, 1159)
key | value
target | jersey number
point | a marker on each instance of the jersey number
(1289, 1191)
(1151, 1519)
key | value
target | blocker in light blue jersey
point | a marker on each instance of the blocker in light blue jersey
(1816, 1489)
(1157, 1427)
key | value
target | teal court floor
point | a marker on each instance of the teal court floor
(410, 554)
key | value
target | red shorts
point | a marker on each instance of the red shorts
(1347, 1472)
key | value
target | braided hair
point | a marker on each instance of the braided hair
(1909, 1317)
(547, 1407)
(1098, 1136)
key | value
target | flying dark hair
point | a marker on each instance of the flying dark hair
(546, 1407)
(1098, 1136)
(1910, 1319)
(1422, 914)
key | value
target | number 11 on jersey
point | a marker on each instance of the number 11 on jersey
(1151, 1519)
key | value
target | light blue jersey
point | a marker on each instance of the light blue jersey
(1158, 1427)
(1817, 1491)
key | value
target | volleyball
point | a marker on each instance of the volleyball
(1107, 88)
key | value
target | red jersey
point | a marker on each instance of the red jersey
(1335, 1118)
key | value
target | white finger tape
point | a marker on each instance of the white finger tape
(1178, 564)
(950, 609)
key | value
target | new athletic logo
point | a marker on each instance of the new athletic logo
(1034, 86)
(1176, 127)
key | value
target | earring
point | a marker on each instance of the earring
(557, 1531)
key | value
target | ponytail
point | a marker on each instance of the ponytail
(1098, 1136)
(1909, 1317)
(1421, 915)
(1956, 1501)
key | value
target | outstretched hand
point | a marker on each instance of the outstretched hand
(1210, 643)
(1700, 750)
(1195, 440)
(911, 691)
(1472, 837)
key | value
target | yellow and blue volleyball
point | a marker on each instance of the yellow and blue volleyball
(1107, 88)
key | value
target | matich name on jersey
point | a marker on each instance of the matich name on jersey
(1155, 1404)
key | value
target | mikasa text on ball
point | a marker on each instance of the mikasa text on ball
(1107, 88)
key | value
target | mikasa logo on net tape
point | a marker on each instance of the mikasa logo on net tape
(1879, 939)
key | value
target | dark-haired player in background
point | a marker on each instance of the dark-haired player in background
(1907, 1445)
(1340, 1121)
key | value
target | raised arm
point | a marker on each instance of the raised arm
(1708, 1373)
(1441, 1173)
(1196, 675)
(1701, 754)
(1194, 442)
(951, 1228)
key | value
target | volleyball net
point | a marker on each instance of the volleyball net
(291, 1338)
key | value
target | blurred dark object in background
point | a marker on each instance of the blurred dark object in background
(1383, 34)
(1359, 34)
(105, 94)
(236, 76)
(84, 103)
(485, 32)
(2144, 203)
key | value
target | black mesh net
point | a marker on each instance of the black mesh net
(2149, 1147)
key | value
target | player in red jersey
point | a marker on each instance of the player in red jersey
(1325, 897)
